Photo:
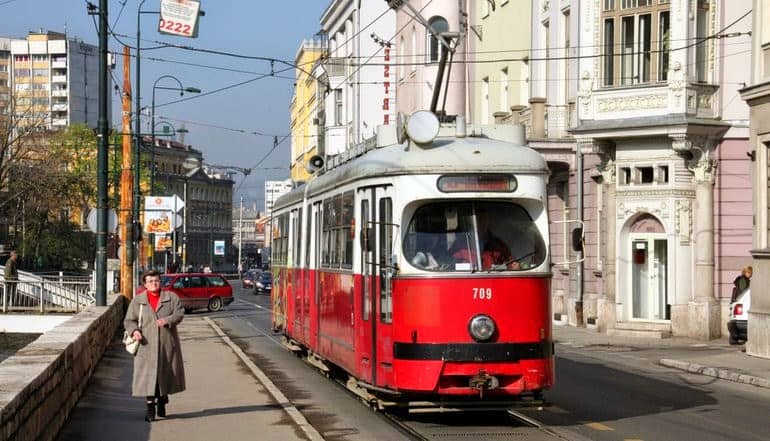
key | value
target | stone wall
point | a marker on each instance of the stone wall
(42, 382)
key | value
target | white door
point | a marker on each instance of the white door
(649, 281)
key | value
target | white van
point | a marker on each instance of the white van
(739, 318)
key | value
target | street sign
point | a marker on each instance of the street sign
(179, 17)
(112, 220)
(163, 242)
(159, 213)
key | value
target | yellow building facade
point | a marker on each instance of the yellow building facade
(306, 106)
(498, 30)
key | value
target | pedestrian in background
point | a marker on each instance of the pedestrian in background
(11, 275)
(742, 282)
(158, 365)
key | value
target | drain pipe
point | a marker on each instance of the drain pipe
(579, 275)
(579, 164)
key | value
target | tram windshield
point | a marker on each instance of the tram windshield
(473, 236)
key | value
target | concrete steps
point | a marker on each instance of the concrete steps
(649, 330)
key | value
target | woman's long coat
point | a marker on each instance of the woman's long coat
(160, 354)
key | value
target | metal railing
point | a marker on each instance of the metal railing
(56, 293)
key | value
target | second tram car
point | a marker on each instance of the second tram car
(421, 271)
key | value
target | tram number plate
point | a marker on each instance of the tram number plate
(482, 293)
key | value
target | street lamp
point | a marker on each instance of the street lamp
(155, 86)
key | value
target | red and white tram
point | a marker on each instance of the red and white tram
(422, 271)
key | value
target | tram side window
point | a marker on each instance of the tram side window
(276, 246)
(326, 238)
(346, 230)
(336, 250)
(386, 250)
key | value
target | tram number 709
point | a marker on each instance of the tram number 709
(482, 293)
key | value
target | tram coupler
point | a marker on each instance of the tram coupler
(483, 381)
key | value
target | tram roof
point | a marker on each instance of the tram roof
(445, 155)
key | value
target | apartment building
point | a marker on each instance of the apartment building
(417, 50)
(54, 80)
(5, 78)
(361, 92)
(274, 190)
(757, 96)
(306, 109)
(665, 139)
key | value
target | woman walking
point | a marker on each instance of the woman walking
(158, 366)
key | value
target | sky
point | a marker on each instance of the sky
(221, 124)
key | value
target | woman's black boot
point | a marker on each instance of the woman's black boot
(150, 412)
(162, 406)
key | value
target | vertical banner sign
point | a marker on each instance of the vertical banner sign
(179, 17)
(158, 212)
(386, 83)
(219, 247)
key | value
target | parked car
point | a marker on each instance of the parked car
(739, 318)
(248, 277)
(199, 290)
(263, 283)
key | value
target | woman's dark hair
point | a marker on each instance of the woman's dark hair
(149, 273)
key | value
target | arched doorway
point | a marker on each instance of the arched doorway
(649, 269)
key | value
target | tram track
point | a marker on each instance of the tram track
(446, 425)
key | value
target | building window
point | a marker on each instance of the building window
(641, 24)
(702, 46)
(485, 100)
(504, 90)
(645, 175)
(567, 49)
(664, 45)
(337, 107)
(437, 25)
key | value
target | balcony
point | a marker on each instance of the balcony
(651, 100)
(59, 107)
(58, 122)
(59, 93)
(59, 64)
(59, 79)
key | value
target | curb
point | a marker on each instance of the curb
(715, 372)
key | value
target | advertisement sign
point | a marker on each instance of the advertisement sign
(163, 242)
(219, 247)
(159, 214)
(179, 17)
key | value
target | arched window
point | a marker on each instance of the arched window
(438, 25)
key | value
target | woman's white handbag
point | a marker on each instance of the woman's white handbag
(132, 346)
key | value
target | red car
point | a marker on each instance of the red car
(198, 290)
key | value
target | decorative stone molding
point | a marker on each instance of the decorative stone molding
(680, 143)
(638, 102)
(636, 194)
(586, 91)
(702, 166)
(684, 221)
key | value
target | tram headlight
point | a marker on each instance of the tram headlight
(481, 327)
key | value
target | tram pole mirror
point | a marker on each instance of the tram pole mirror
(577, 239)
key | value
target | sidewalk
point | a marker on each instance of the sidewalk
(716, 358)
(226, 398)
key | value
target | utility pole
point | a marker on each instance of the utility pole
(101, 163)
(126, 187)
(240, 234)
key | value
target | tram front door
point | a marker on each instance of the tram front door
(377, 234)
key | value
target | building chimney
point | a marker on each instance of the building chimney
(538, 117)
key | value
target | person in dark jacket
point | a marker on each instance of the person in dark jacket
(11, 274)
(158, 365)
(742, 282)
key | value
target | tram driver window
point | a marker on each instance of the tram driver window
(473, 236)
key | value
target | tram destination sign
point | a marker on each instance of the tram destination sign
(179, 17)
